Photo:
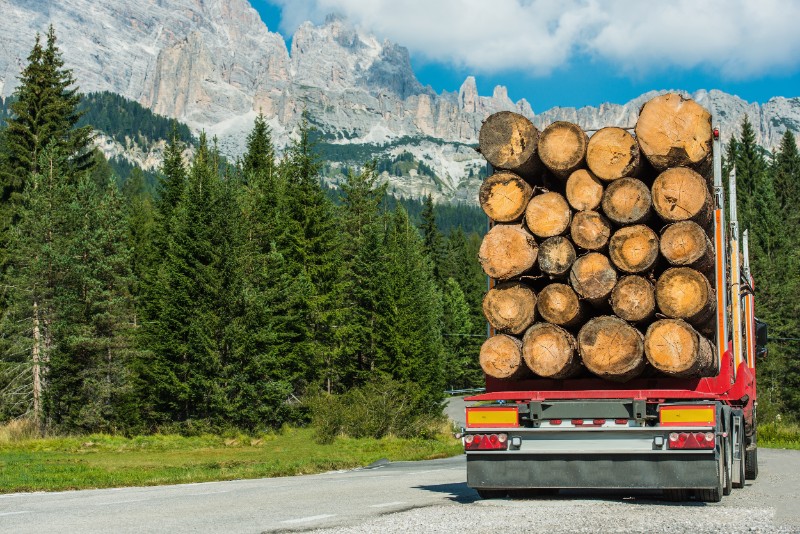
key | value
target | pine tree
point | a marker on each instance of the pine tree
(173, 178)
(457, 331)
(432, 237)
(260, 156)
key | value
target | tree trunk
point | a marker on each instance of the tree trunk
(592, 277)
(36, 357)
(550, 351)
(559, 304)
(686, 244)
(627, 201)
(556, 256)
(507, 250)
(501, 357)
(673, 347)
(508, 141)
(633, 299)
(611, 348)
(613, 153)
(548, 215)
(584, 190)
(590, 230)
(633, 249)
(504, 196)
(680, 194)
(674, 131)
(510, 307)
(562, 148)
(684, 293)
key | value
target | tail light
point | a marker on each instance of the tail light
(692, 440)
(486, 442)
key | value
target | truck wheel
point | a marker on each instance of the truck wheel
(715, 494)
(743, 461)
(727, 485)
(491, 493)
(751, 464)
(676, 495)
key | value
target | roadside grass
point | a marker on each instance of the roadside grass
(779, 435)
(103, 461)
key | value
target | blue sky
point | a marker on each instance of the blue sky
(576, 52)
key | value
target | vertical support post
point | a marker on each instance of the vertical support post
(736, 279)
(749, 304)
(720, 247)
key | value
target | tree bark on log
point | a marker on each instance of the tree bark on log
(504, 196)
(510, 307)
(673, 347)
(627, 201)
(592, 277)
(633, 299)
(508, 141)
(507, 250)
(680, 194)
(584, 190)
(613, 153)
(590, 230)
(550, 351)
(559, 304)
(611, 348)
(633, 249)
(556, 256)
(562, 148)
(548, 215)
(684, 293)
(686, 244)
(674, 131)
(501, 357)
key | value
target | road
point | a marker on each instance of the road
(428, 496)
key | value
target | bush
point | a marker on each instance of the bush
(21, 429)
(382, 407)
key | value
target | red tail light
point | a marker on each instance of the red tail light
(692, 440)
(599, 422)
(577, 422)
(621, 421)
(486, 442)
(555, 421)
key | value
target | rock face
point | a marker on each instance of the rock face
(214, 65)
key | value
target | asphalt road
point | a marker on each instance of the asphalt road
(426, 496)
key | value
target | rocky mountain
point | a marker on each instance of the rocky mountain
(214, 65)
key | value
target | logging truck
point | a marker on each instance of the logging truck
(622, 338)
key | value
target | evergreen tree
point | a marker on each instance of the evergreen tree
(173, 180)
(459, 345)
(260, 156)
(786, 175)
(431, 236)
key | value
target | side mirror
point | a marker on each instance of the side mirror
(761, 339)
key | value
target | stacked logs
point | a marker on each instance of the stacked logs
(599, 252)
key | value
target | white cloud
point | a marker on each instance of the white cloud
(737, 38)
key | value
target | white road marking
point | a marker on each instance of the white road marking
(387, 504)
(309, 518)
(14, 513)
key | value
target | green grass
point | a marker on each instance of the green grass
(102, 461)
(779, 435)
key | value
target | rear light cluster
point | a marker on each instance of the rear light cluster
(486, 442)
(692, 440)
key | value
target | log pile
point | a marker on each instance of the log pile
(600, 251)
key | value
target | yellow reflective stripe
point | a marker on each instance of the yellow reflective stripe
(688, 415)
(492, 416)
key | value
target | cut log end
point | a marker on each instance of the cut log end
(611, 348)
(584, 190)
(684, 293)
(592, 277)
(550, 351)
(634, 249)
(507, 251)
(556, 256)
(559, 304)
(685, 243)
(590, 230)
(673, 347)
(508, 141)
(627, 201)
(680, 194)
(633, 299)
(501, 357)
(504, 196)
(562, 147)
(510, 307)
(548, 215)
(613, 153)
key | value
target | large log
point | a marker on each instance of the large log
(584, 190)
(562, 148)
(550, 351)
(507, 250)
(686, 244)
(680, 194)
(613, 153)
(508, 141)
(627, 201)
(592, 277)
(548, 215)
(633, 299)
(510, 307)
(556, 256)
(504, 196)
(590, 230)
(501, 357)
(633, 249)
(559, 304)
(684, 293)
(675, 131)
(673, 347)
(611, 348)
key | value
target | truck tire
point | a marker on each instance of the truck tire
(715, 494)
(727, 487)
(741, 467)
(751, 464)
(491, 493)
